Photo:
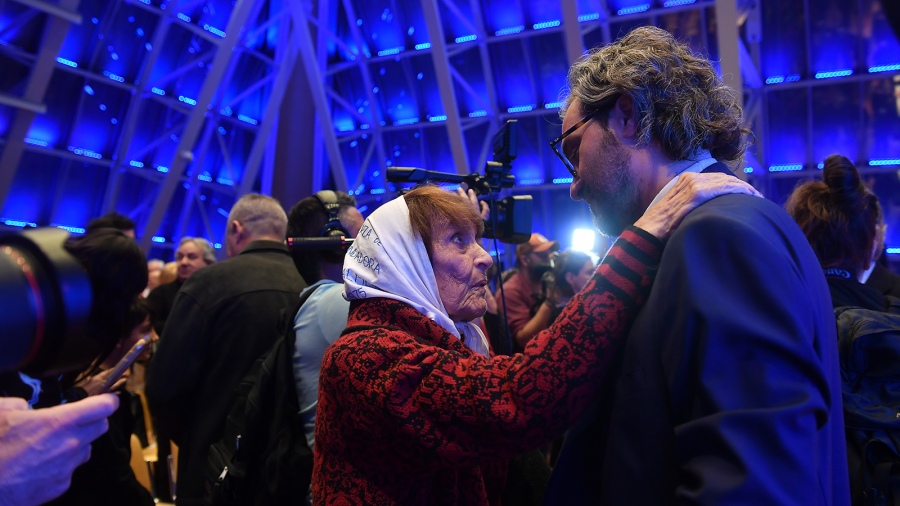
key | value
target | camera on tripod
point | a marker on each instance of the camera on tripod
(511, 216)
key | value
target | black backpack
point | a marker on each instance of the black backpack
(869, 346)
(262, 457)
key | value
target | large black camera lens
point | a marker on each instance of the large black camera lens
(45, 303)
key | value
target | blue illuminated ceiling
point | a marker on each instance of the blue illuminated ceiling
(161, 111)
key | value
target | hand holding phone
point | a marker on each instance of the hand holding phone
(119, 369)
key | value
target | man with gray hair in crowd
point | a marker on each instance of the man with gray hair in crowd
(225, 317)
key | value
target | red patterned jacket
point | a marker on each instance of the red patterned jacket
(408, 415)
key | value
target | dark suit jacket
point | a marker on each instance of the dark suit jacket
(225, 316)
(728, 389)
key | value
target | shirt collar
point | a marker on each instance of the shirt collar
(700, 162)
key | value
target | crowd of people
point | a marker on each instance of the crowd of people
(697, 362)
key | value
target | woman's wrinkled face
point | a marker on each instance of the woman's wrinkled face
(460, 268)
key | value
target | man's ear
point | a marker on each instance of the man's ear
(625, 113)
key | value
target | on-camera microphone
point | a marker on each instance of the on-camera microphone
(318, 243)
(417, 175)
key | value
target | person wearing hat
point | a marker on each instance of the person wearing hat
(526, 315)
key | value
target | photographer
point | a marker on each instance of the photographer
(40, 448)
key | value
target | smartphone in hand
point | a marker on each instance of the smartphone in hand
(125, 362)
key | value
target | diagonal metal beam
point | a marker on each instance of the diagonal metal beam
(184, 153)
(445, 85)
(284, 69)
(132, 117)
(54, 34)
(303, 40)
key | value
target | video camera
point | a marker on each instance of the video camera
(45, 304)
(510, 217)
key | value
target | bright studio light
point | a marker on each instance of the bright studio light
(583, 239)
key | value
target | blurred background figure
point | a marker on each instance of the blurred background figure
(522, 295)
(842, 220)
(112, 220)
(193, 253)
(571, 271)
(154, 269)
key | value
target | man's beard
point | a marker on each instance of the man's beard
(612, 191)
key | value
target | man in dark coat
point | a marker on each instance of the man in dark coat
(224, 317)
(727, 391)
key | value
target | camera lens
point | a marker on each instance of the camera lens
(45, 301)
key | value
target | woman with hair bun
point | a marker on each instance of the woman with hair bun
(842, 220)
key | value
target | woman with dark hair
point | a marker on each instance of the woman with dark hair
(843, 222)
(107, 478)
(412, 409)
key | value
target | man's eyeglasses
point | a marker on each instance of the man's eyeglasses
(554, 144)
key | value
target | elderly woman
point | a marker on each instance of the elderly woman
(412, 410)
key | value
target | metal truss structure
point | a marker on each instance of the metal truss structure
(167, 111)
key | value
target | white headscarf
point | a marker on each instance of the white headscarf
(388, 259)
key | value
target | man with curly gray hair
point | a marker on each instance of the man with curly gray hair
(728, 390)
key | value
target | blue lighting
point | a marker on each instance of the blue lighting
(67, 62)
(15, 223)
(393, 50)
(833, 73)
(531, 181)
(477, 114)
(406, 121)
(162, 168)
(520, 108)
(85, 152)
(438, 118)
(88, 90)
(879, 162)
(222, 130)
(593, 16)
(562, 180)
(553, 105)
(782, 79)
(675, 3)
(157, 238)
(114, 77)
(893, 251)
(546, 24)
(187, 100)
(884, 68)
(424, 45)
(226, 111)
(247, 119)
(205, 177)
(74, 230)
(377, 191)
(224, 181)
(509, 31)
(748, 170)
(135, 163)
(158, 91)
(212, 29)
(217, 245)
(786, 167)
(820, 166)
(36, 142)
(465, 38)
(633, 10)
(184, 17)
